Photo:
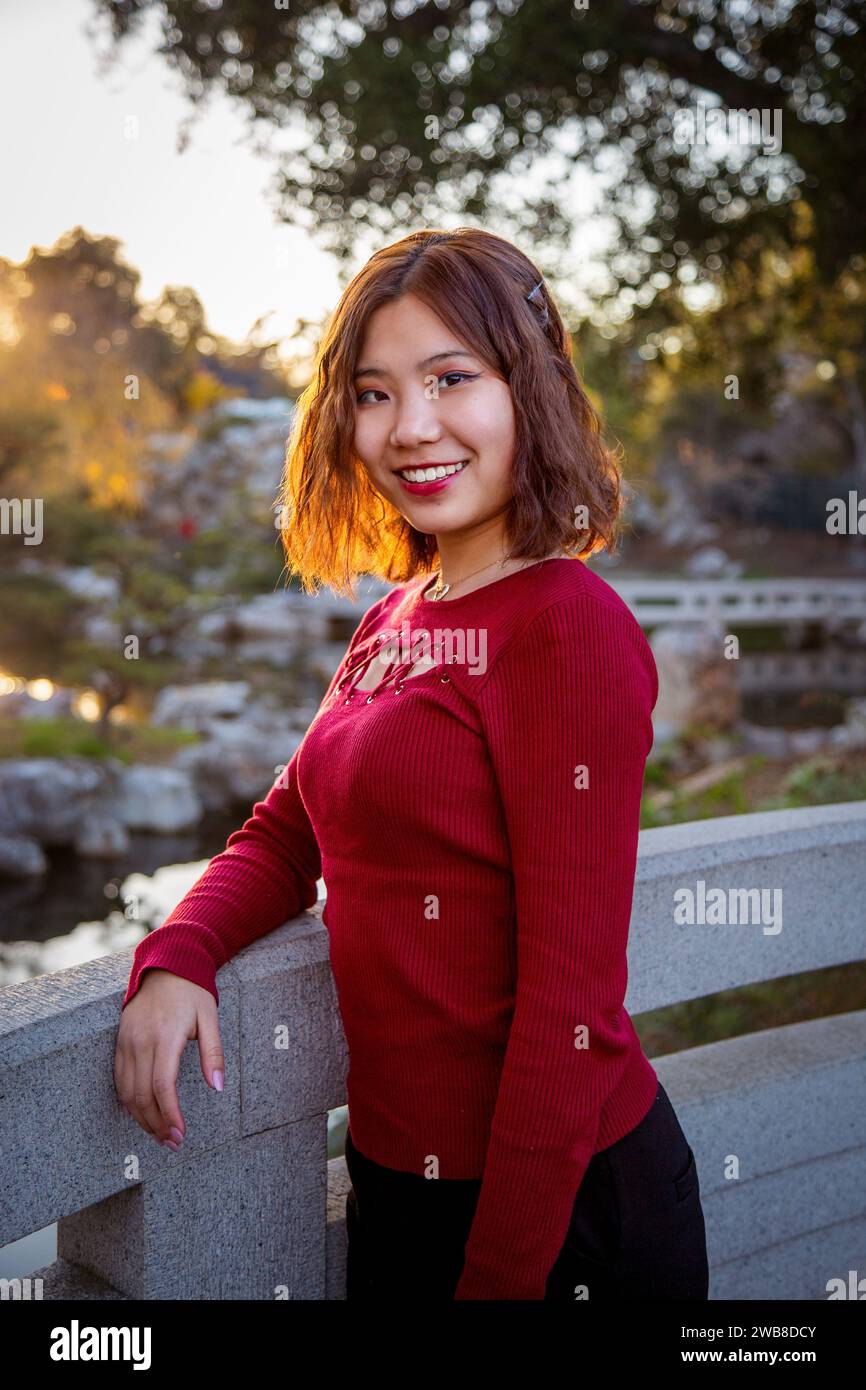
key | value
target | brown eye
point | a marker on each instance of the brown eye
(463, 376)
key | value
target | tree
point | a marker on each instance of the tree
(415, 114)
(78, 400)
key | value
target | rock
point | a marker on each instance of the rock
(855, 721)
(49, 799)
(21, 857)
(157, 799)
(807, 741)
(697, 686)
(198, 706)
(22, 705)
(757, 738)
(238, 762)
(721, 747)
(102, 836)
(845, 736)
(681, 519)
(278, 408)
(712, 563)
(88, 584)
(277, 628)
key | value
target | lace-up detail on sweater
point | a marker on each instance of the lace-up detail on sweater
(365, 653)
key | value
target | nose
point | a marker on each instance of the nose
(416, 421)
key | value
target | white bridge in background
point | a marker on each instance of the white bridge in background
(736, 603)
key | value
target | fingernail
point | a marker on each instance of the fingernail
(176, 1134)
(168, 1144)
(218, 1080)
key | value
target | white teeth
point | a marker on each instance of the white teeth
(429, 475)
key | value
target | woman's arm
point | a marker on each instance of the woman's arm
(266, 874)
(567, 714)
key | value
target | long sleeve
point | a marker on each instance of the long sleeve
(267, 873)
(567, 715)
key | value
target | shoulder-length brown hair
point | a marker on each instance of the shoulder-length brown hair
(334, 525)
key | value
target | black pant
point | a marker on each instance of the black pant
(636, 1229)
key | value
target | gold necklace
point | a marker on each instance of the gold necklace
(440, 589)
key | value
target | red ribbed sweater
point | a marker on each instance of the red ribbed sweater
(476, 826)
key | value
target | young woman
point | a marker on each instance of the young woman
(470, 791)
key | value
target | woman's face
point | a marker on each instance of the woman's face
(424, 399)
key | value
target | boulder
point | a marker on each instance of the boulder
(102, 836)
(49, 799)
(159, 799)
(22, 705)
(238, 762)
(21, 857)
(711, 562)
(198, 706)
(759, 738)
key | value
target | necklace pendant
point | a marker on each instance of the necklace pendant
(438, 593)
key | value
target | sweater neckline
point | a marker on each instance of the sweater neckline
(466, 600)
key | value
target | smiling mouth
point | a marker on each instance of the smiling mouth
(430, 475)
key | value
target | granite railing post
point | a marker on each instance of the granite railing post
(240, 1212)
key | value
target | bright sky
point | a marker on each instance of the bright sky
(201, 218)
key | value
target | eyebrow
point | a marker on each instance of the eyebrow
(427, 362)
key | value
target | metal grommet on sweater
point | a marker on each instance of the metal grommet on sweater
(445, 679)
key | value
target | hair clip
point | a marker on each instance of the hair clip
(531, 296)
(545, 312)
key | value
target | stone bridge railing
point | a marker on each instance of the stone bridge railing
(738, 603)
(251, 1208)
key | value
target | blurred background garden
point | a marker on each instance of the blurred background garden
(187, 187)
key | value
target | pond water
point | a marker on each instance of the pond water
(86, 908)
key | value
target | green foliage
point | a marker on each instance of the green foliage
(816, 781)
(76, 539)
(29, 438)
(819, 781)
(64, 738)
(37, 616)
(751, 1008)
(55, 738)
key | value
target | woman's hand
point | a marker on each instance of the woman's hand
(155, 1026)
